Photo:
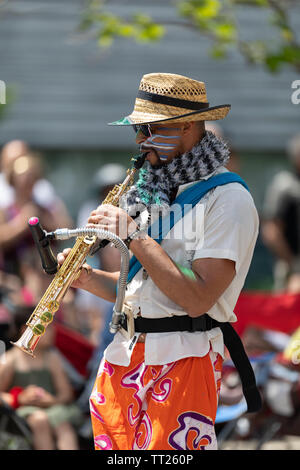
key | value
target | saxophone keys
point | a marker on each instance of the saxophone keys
(53, 306)
(78, 273)
(46, 317)
(38, 330)
(60, 282)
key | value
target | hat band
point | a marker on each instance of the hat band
(169, 101)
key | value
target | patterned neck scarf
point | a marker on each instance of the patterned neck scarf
(156, 185)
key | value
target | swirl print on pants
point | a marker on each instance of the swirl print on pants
(156, 407)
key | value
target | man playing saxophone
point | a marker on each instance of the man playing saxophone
(158, 389)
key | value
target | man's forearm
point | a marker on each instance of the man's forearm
(11, 232)
(195, 291)
(102, 284)
(181, 289)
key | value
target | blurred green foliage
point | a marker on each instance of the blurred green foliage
(214, 19)
(108, 26)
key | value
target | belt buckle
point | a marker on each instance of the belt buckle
(129, 333)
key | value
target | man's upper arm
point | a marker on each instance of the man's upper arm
(217, 274)
(230, 233)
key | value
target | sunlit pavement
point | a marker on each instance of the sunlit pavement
(286, 443)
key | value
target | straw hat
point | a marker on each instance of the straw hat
(171, 97)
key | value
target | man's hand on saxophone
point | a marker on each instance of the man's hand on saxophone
(85, 271)
(113, 219)
(98, 282)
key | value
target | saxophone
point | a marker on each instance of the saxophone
(45, 310)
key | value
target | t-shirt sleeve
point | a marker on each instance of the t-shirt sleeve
(230, 228)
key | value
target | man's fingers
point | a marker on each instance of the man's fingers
(93, 219)
(103, 211)
(62, 256)
(90, 225)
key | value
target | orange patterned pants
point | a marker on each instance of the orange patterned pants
(170, 406)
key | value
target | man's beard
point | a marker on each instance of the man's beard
(147, 150)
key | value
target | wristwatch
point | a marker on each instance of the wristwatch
(133, 235)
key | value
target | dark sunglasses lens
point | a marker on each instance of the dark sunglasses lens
(143, 128)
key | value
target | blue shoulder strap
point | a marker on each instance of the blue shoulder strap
(183, 203)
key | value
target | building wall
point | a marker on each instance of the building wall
(66, 89)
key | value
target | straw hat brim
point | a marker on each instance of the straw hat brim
(213, 113)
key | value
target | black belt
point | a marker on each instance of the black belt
(175, 323)
(231, 340)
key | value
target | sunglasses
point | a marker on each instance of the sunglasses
(145, 129)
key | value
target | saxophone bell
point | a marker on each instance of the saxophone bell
(27, 345)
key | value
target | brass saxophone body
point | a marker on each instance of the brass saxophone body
(69, 270)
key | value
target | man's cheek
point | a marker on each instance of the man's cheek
(164, 146)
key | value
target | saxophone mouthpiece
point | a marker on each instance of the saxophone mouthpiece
(139, 161)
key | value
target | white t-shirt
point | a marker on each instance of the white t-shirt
(226, 223)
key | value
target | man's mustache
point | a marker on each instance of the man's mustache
(148, 149)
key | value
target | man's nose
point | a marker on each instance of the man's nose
(140, 137)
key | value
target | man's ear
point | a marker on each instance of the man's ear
(187, 127)
(193, 126)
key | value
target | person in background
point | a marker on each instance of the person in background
(281, 225)
(234, 162)
(15, 237)
(43, 193)
(40, 391)
(10, 152)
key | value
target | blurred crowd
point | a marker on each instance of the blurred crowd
(50, 394)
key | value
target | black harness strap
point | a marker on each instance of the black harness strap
(231, 340)
(240, 359)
